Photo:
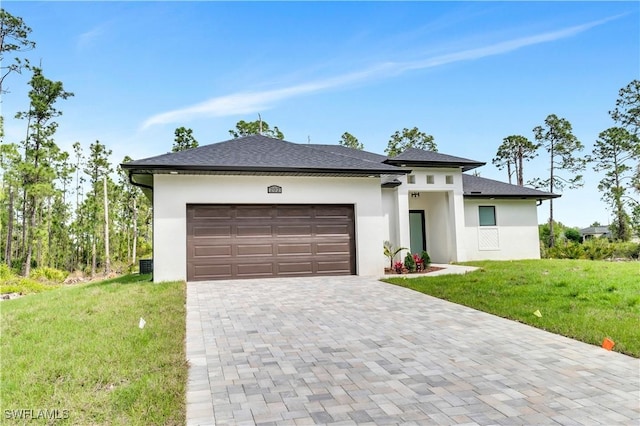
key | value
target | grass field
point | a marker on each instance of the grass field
(582, 299)
(76, 355)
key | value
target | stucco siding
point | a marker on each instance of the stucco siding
(437, 223)
(172, 193)
(515, 235)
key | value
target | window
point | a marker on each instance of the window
(487, 215)
(411, 179)
(449, 179)
(430, 179)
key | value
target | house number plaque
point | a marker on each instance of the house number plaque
(274, 189)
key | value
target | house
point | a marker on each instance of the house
(595, 232)
(262, 207)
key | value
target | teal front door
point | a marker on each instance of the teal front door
(417, 235)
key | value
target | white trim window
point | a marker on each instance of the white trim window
(487, 215)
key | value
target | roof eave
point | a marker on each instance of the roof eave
(164, 169)
(512, 196)
(436, 164)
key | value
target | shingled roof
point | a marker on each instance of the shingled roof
(261, 154)
(351, 152)
(421, 158)
(258, 154)
(478, 187)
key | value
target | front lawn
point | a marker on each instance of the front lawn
(76, 355)
(582, 299)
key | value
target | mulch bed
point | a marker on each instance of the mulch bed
(426, 271)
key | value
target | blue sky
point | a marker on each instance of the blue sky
(468, 73)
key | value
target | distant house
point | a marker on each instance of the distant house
(595, 232)
(262, 207)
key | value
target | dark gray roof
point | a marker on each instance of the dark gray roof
(422, 158)
(478, 187)
(591, 230)
(350, 152)
(261, 154)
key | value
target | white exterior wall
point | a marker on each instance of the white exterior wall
(389, 218)
(437, 224)
(443, 207)
(172, 193)
(515, 235)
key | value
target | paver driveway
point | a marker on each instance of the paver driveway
(353, 350)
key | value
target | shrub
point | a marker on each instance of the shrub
(24, 286)
(598, 249)
(572, 234)
(5, 272)
(426, 259)
(409, 263)
(48, 274)
(626, 250)
(398, 267)
(566, 250)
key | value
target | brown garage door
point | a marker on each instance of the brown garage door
(256, 241)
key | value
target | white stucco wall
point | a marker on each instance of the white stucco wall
(172, 193)
(515, 235)
(443, 207)
(452, 224)
(389, 218)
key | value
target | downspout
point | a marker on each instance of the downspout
(153, 222)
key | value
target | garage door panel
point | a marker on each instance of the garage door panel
(212, 251)
(332, 229)
(225, 242)
(295, 268)
(333, 267)
(293, 212)
(223, 231)
(255, 269)
(212, 272)
(254, 249)
(254, 212)
(294, 249)
(336, 212)
(212, 212)
(254, 231)
(333, 248)
(301, 230)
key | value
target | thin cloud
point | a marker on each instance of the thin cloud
(88, 38)
(250, 102)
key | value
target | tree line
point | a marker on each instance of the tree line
(60, 209)
(616, 153)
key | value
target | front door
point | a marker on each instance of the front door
(417, 235)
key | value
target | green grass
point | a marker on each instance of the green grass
(79, 350)
(582, 299)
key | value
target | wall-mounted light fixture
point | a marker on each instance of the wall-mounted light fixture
(415, 194)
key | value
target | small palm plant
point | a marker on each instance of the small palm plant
(391, 252)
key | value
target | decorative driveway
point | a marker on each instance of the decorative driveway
(353, 350)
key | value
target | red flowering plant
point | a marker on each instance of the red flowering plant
(398, 267)
(419, 262)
